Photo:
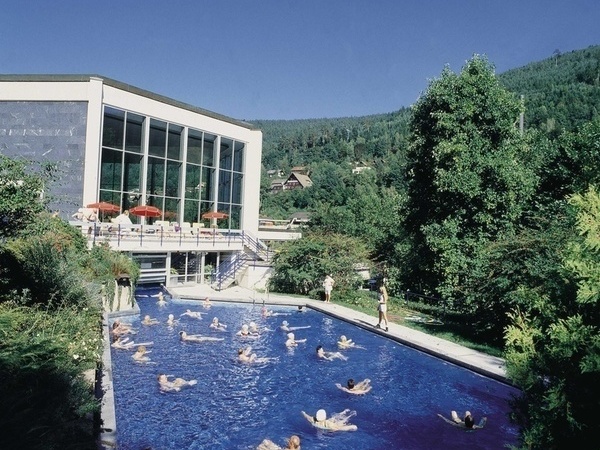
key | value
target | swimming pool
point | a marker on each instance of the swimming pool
(236, 406)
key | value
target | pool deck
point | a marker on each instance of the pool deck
(479, 362)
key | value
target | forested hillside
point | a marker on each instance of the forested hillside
(560, 93)
(497, 226)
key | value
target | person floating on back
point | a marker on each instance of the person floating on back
(337, 422)
(468, 422)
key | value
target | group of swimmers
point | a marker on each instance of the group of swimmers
(335, 422)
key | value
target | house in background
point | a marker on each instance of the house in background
(275, 173)
(277, 185)
(359, 168)
(300, 169)
(297, 180)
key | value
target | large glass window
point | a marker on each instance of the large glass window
(194, 150)
(158, 138)
(192, 182)
(224, 186)
(191, 212)
(171, 209)
(208, 150)
(113, 128)
(174, 142)
(235, 217)
(155, 179)
(133, 133)
(173, 178)
(207, 182)
(132, 180)
(236, 191)
(226, 154)
(111, 169)
(238, 157)
(124, 156)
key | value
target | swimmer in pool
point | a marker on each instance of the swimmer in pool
(192, 314)
(292, 341)
(329, 356)
(253, 328)
(245, 355)
(120, 328)
(150, 320)
(215, 324)
(345, 343)
(196, 337)
(175, 385)
(172, 321)
(293, 443)
(468, 422)
(123, 343)
(245, 332)
(356, 388)
(337, 422)
(140, 354)
(207, 304)
(161, 299)
(285, 327)
(269, 313)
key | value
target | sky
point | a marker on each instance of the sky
(286, 59)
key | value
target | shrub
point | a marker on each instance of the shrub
(45, 396)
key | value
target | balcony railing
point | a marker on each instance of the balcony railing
(128, 237)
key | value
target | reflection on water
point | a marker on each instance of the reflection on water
(236, 405)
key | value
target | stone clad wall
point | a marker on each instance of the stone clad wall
(50, 132)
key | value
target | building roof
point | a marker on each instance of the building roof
(64, 78)
(301, 216)
(304, 180)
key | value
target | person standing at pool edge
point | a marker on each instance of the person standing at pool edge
(382, 298)
(328, 285)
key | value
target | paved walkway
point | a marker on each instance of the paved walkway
(487, 365)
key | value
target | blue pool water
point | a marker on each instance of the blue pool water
(236, 406)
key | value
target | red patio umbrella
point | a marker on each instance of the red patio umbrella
(214, 215)
(104, 207)
(145, 211)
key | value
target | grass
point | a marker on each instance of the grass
(419, 317)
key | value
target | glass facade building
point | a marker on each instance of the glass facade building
(116, 143)
(183, 171)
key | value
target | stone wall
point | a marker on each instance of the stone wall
(49, 132)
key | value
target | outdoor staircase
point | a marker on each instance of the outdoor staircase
(254, 252)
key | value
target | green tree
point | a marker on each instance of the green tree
(467, 181)
(50, 309)
(301, 265)
(553, 353)
(20, 195)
